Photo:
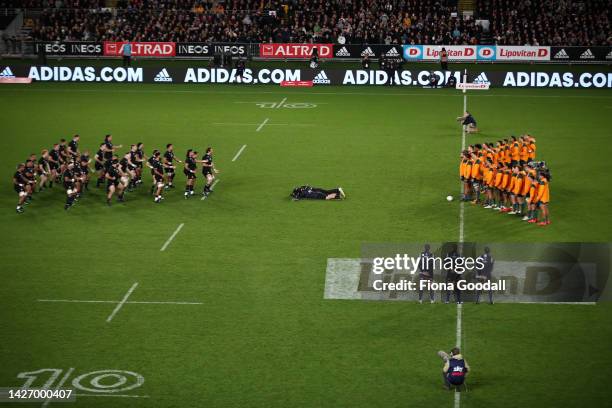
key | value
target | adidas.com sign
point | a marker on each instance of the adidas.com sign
(163, 76)
(321, 79)
(561, 54)
(482, 79)
(587, 54)
(343, 52)
(392, 53)
(7, 73)
(368, 51)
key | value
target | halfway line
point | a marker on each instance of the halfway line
(120, 305)
(239, 152)
(178, 229)
(262, 124)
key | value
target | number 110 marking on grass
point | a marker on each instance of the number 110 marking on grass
(97, 382)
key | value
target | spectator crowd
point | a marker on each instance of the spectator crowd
(511, 22)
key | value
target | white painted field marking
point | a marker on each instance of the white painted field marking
(256, 124)
(178, 229)
(212, 187)
(178, 91)
(239, 152)
(281, 103)
(558, 303)
(262, 124)
(77, 301)
(458, 338)
(120, 304)
(59, 385)
(134, 302)
(457, 403)
(112, 395)
(461, 203)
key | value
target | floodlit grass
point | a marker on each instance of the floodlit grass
(263, 335)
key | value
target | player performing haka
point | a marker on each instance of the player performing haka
(42, 169)
(189, 170)
(168, 163)
(113, 180)
(157, 171)
(19, 184)
(208, 170)
(69, 180)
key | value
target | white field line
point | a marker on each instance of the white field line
(558, 303)
(239, 153)
(281, 103)
(212, 187)
(176, 231)
(112, 395)
(77, 301)
(461, 203)
(133, 302)
(59, 385)
(256, 124)
(257, 102)
(262, 124)
(458, 338)
(178, 91)
(457, 400)
(120, 304)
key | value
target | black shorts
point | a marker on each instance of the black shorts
(53, 166)
(111, 183)
(169, 170)
(98, 166)
(189, 174)
(158, 178)
(206, 172)
(18, 188)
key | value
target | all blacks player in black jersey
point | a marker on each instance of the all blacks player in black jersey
(168, 164)
(208, 170)
(19, 184)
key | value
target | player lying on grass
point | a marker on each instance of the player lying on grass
(65, 164)
(510, 178)
(468, 122)
(455, 368)
(314, 193)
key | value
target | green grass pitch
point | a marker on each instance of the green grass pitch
(263, 336)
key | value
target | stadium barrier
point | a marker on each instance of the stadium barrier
(414, 53)
(319, 77)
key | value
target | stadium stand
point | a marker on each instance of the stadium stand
(524, 22)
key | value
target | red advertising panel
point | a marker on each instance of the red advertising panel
(141, 49)
(523, 53)
(455, 52)
(295, 50)
(307, 84)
